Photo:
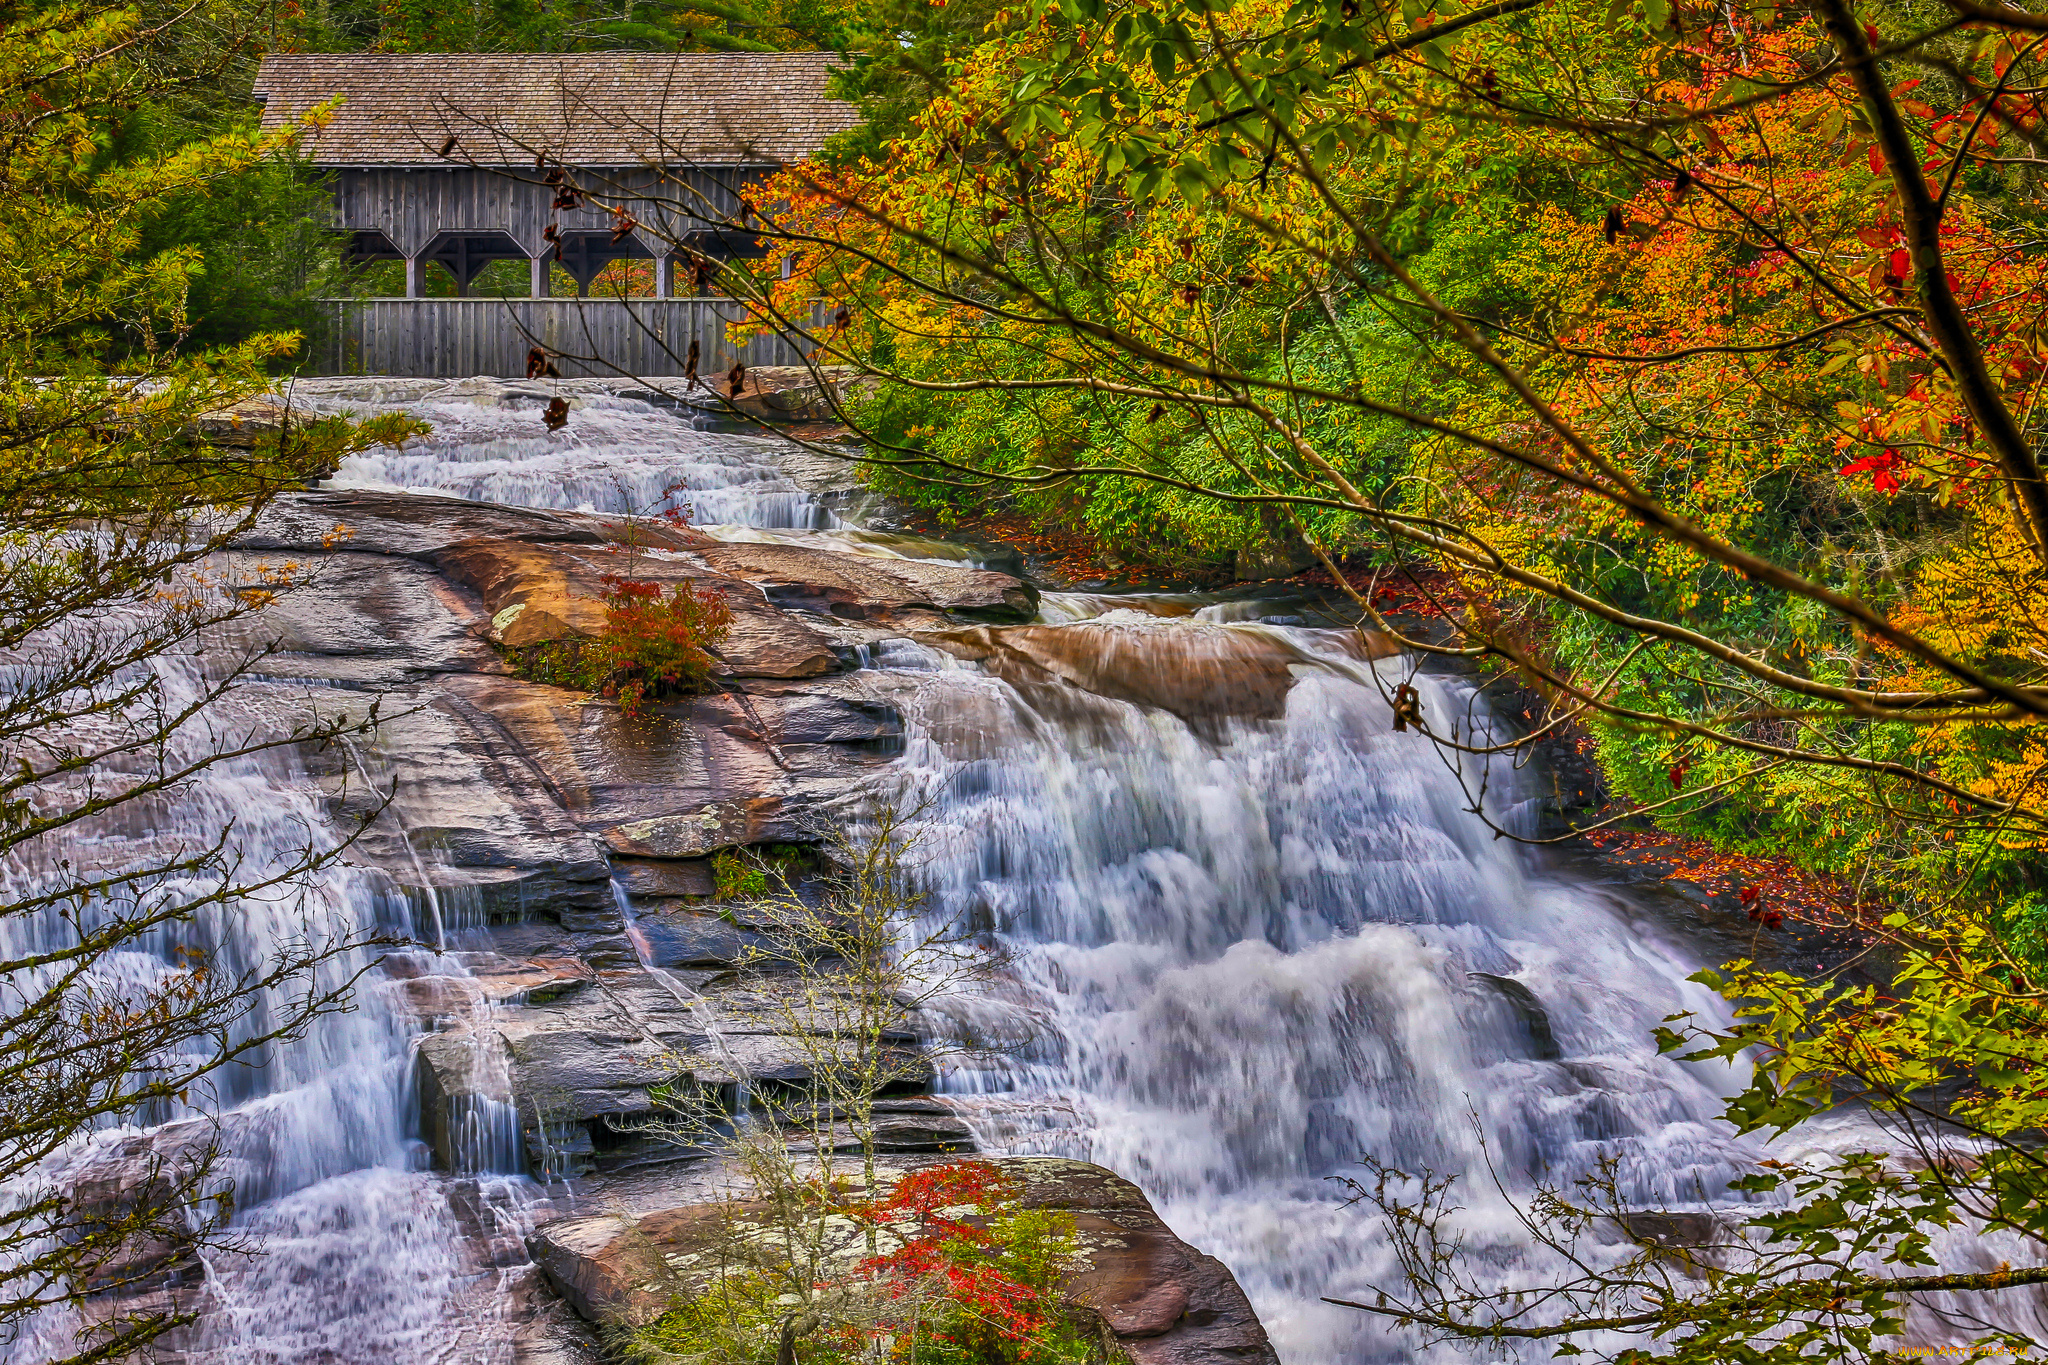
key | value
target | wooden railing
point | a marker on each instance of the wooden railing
(455, 338)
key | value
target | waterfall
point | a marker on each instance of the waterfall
(1244, 959)
(359, 1257)
(1252, 933)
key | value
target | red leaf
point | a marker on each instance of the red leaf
(1881, 468)
(1901, 263)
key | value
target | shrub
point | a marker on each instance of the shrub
(656, 644)
(997, 1268)
(975, 1279)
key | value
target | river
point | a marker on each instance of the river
(1248, 942)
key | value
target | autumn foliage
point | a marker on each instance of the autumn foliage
(991, 1268)
(657, 644)
(1697, 351)
(961, 1273)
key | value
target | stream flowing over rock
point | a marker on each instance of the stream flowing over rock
(1251, 932)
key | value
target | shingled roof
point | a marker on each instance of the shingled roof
(586, 109)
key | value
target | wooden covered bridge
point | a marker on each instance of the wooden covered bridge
(450, 162)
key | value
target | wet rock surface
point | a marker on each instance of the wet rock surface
(871, 589)
(514, 793)
(1150, 1297)
(1203, 676)
(531, 818)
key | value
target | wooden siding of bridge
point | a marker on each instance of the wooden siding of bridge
(458, 338)
(411, 207)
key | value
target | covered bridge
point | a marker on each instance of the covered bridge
(448, 163)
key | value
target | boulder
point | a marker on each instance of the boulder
(646, 877)
(794, 393)
(705, 829)
(1158, 1301)
(463, 1074)
(1151, 1298)
(701, 941)
(531, 593)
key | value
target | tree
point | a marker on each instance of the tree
(120, 494)
(866, 964)
(852, 967)
(1700, 349)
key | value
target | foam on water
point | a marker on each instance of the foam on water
(617, 454)
(1249, 962)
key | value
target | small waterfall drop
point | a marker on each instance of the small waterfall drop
(617, 454)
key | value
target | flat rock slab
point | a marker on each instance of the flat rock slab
(687, 940)
(1200, 672)
(510, 794)
(860, 588)
(1152, 1298)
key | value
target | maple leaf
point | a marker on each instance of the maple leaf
(1882, 469)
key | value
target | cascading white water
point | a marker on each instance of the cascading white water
(1252, 954)
(359, 1258)
(617, 454)
(1252, 958)
(1249, 950)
